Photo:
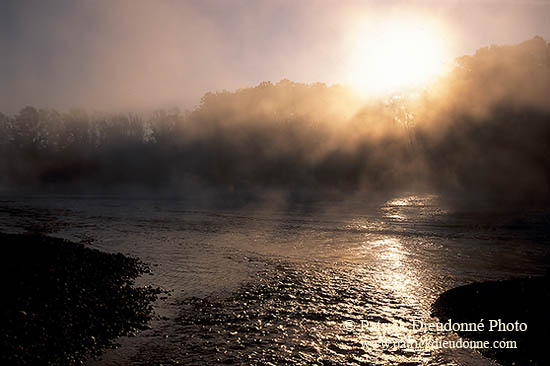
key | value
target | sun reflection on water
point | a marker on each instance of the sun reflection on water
(393, 276)
(398, 283)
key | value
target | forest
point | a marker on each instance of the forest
(480, 131)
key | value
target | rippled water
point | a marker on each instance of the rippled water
(272, 285)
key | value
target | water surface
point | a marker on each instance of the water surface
(269, 284)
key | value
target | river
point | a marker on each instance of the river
(310, 283)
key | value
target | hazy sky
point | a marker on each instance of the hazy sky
(115, 54)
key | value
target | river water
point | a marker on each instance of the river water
(310, 284)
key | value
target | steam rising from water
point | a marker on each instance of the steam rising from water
(480, 132)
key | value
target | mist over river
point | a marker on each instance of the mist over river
(291, 283)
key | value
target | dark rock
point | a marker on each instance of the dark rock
(524, 300)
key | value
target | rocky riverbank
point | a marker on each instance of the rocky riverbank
(506, 304)
(63, 302)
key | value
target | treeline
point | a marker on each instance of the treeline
(284, 135)
(488, 125)
(482, 131)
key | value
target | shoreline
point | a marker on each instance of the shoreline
(64, 302)
(497, 304)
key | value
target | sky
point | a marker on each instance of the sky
(142, 55)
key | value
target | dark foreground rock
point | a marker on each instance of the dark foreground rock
(63, 302)
(525, 300)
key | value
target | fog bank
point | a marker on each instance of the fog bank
(480, 132)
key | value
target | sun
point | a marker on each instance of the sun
(394, 55)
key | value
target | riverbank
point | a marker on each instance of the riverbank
(64, 302)
(522, 301)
